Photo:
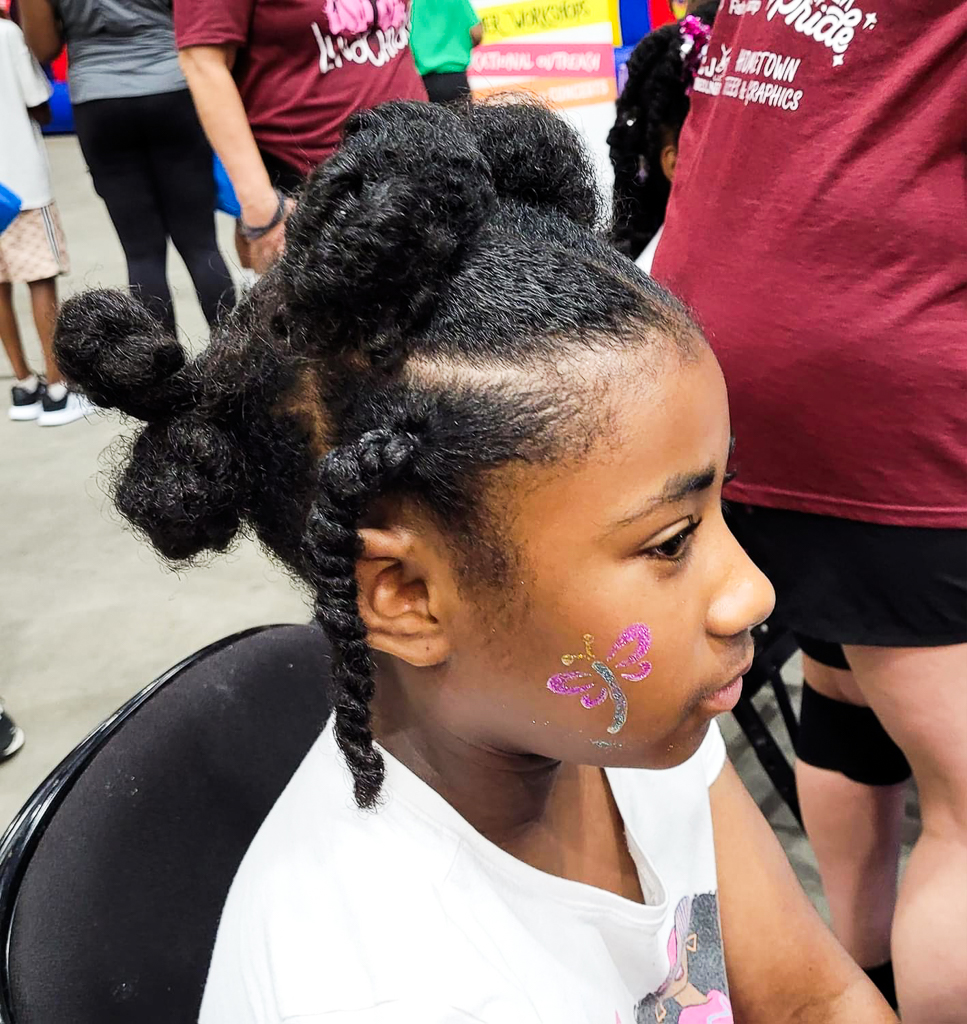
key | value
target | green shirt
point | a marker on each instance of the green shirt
(440, 35)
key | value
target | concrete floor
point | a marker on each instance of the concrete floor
(88, 614)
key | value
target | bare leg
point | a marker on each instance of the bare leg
(920, 696)
(43, 297)
(10, 333)
(854, 830)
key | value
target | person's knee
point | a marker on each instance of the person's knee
(836, 683)
(849, 739)
(919, 694)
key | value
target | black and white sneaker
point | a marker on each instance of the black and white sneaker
(26, 405)
(58, 411)
(11, 735)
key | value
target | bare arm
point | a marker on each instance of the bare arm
(40, 114)
(477, 34)
(208, 70)
(783, 963)
(41, 28)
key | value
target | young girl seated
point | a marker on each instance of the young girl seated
(652, 108)
(494, 450)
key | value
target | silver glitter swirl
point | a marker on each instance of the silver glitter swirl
(617, 695)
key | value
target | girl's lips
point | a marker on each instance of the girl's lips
(724, 699)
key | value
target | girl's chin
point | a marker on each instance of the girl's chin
(626, 751)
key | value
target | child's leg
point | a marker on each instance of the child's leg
(10, 333)
(43, 298)
(854, 830)
(920, 696)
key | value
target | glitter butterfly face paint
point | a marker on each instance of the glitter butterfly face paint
(606, 671)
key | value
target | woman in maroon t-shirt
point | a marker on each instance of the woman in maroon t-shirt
(818, 226)
(274, 84)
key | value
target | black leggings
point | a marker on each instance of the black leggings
(446, 87)
(152, 166)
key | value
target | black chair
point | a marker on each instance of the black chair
(113, 877)
(774, 646)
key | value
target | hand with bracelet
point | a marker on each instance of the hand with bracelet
(265, 236)
(261, 230)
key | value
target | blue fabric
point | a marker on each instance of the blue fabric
(61, 112)
(9, 207)
(635, 21)
(224, 193)
(622, 55)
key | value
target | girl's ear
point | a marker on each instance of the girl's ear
(669, 160)
(404, 588)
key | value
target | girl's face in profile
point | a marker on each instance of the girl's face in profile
(635, 602)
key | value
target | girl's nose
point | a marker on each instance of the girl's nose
(744, 599)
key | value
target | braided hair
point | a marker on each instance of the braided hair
(651, 110)
(437, 269)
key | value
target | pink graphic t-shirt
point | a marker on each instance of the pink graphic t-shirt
(718, 1010)
(304, 66)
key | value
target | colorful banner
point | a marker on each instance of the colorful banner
(559, 50)
(508, 21)
(593, 60)
(565, 92)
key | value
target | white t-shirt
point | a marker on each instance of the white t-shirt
(23, 158)
(647, 256)
(407, 915)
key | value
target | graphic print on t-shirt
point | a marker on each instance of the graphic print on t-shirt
(766, 77)
(695, 990)
(361, 32)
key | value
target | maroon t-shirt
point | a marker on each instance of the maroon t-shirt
(818, 227)
(298, 78)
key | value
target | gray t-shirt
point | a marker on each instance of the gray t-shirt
(120, 48)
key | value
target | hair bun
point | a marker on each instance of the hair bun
(536, 157)
(182, 487)
(118, 353)
(383, 223)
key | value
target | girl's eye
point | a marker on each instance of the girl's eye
(675, 548)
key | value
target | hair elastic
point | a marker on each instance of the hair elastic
(695, 36)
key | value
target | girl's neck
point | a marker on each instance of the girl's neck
(505, 797)
(559, 818)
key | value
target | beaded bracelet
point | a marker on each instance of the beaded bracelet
(251, 234)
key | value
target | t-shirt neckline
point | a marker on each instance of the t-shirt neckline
(408, 788)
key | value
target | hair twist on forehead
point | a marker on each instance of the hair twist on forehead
(437, 270)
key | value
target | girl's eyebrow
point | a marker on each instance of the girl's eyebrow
(676, 489)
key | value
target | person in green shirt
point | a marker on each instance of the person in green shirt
(442, 36)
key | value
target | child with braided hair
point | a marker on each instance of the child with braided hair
(493, 449)
(651, 110)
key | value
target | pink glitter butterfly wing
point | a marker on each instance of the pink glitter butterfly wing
(587, 701)
(639, 635)
(561, 683)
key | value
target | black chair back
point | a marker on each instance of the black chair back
(113, 877)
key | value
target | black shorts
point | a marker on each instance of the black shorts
(447, 86)
(283, 176)
(839, 581)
